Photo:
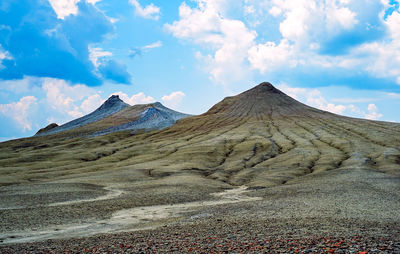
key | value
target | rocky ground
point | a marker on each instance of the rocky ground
(336, 212)
(222, 235)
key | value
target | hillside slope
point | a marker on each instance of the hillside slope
(115, 115)
(261, 137)
(307, 172)
(109, 107)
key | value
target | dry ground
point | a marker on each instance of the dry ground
(315, 175)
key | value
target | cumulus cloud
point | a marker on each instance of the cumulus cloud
(139, 98)
(62, 97)
(96, 54)
(20, 111)
(315, 98)
(312, 97)
(270, 56)
(229, 38)
(373, 113)
(382, 58)
(343, 41)
(149, 12)
(173, 100)
(91, 103)
(56, 37)
(324, 23)
(64, 8)
(293, 92)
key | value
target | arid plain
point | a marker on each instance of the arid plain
(257, 169)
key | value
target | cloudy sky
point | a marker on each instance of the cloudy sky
(60, 59)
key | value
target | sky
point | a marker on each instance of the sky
(61, 59)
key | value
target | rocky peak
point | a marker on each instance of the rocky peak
(113, 101)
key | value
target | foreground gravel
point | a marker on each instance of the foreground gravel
(351, 211)
(223, 235)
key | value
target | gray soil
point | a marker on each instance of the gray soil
(258, 172)
(333, 206)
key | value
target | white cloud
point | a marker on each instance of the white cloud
(275, 11)
(153, 45)
(149, 12)
(96, 53)
(139, 98)
(64, 8)
(293, 92)
(173, 100)
(63, 98)
(305, 26)
(20, 111)
(315, 98)
(269, 56)
(393, 23)
(306, 20)
(93, 1)
(373, 113)
(382, 58)
(343, 16)
(312, 97)
(297, 17)
(20, 86)
(234, 49)
(91, 103)
(230, 39)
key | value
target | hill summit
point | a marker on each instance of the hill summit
(113, 103)
(109, 107)
(263, 100)
(115, 115)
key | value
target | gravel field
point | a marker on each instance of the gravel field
(335, 212)
(222, 235)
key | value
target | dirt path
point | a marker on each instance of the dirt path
(128, 219)
(112, 193)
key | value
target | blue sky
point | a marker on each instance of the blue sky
(60, 59)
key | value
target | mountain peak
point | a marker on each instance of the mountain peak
(110, 106)
(114, 97)
(261, 100)
(47, 128)
(113, 101)
(264, 88)
(157, 104)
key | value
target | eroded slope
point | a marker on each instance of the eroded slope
(259, 138)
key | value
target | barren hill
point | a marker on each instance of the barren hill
(115, 115)
(109, 107)
(315, 171)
